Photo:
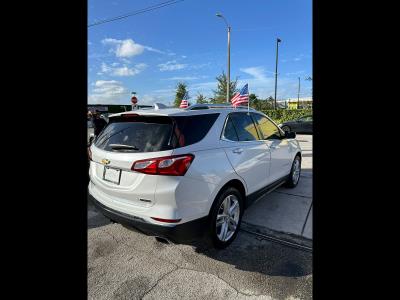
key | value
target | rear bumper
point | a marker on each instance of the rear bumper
(180, 233)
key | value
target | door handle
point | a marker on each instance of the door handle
(237, 150)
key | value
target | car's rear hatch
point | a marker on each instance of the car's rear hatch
(125, 140)
(130, 137)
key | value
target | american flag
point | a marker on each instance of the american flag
(241, 97)
(184, 102)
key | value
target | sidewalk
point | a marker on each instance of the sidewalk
(287, 210)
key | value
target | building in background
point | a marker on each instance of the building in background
(302, 103)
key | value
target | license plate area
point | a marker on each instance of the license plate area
(112, 175)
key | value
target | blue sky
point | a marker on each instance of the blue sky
(149, 53)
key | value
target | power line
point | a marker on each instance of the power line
(140, 11)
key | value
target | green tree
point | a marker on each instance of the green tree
(181, 89)
(269, 103)
(220, 92)
(254, 101)
(201, 99)
(261, 104)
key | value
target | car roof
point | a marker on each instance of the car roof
(184, 112)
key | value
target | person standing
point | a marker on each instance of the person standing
(98, 124)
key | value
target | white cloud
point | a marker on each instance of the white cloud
(126, 61)
(124, 48)
(129, 48)
(121, 71)
(107, 92)
(182, 78)
(154, 50)
(147, 99)
(295, 73)
(171, 66)
(256, 72)
(199, 66)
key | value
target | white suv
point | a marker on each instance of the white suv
(180, 173)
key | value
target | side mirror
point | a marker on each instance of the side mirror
(290, 134)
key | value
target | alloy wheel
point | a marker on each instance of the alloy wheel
(228, 218)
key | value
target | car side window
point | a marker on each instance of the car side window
(305, 119)
(268, 129)
(244, 125)
(230, 131)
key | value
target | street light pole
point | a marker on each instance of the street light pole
(228, 75)
(276, 67)
(229, 66)
(298, 96)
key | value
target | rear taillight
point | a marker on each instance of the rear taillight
(89, 153)
(175, 165)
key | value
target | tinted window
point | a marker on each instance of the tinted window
(146, 134)
(154, 133)
(229, 131)
(306, 119)
(192, 129)
(244, 126)
(266, 127)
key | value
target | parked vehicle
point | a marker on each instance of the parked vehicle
(300, 125)
(180, 174)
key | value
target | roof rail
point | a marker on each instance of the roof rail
(215, 105)
(158, 105)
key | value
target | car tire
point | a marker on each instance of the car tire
(295, 172)
(286, 128)
(222, 235)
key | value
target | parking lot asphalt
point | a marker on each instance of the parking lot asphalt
(126, 264)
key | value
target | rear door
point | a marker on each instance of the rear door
(248, 155)
(279, 148)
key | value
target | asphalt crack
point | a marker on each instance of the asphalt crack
(158, 281)
(215, 275)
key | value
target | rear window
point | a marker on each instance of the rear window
(153, 133)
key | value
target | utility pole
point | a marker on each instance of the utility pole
(276, 67)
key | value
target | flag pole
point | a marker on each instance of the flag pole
(248, 100)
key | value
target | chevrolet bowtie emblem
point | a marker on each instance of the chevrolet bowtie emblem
(105, 161)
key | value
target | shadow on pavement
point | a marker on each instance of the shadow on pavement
(254, 254)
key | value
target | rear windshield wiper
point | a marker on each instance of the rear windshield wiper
(122, 146)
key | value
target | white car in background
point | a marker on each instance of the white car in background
(184, 173)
